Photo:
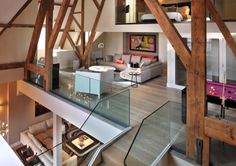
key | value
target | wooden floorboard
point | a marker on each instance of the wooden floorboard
(145, 99)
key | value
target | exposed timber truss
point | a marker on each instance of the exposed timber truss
(195, 61)
(45, 11)
(84, 50)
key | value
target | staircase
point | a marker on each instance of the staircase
(154, 138)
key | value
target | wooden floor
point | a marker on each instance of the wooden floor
(145, 99)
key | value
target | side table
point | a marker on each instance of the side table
(134, 78)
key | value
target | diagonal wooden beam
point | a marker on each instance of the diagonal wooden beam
(14, 65)
(96, 3)
(93, 33)
(16, 15)
(170, 31)
(37, 30)
(59, 21)
(68, 24)
(221, 25)
(78, 53)
(77, 22)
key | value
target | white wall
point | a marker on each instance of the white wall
(113, 43)
(21, 113)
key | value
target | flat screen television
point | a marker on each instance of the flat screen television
(139, 42)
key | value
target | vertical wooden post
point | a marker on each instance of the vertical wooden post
(196, 84)
(82, 33)
(48, 50)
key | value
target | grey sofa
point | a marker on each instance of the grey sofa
(148, 67)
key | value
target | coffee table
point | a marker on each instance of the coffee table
(27, 156)
(82, 144)
(101, 68)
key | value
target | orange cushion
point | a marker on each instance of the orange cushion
(119, 61)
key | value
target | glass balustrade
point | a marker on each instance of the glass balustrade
(156, 134)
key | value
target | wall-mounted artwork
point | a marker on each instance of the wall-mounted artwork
(139, 42)
(40, 110)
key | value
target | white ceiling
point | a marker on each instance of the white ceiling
(9, 8)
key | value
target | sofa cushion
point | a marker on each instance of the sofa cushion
(41, 136)
(45, 160)
(116, 56)
(49, 122)
(145, 61)
(48, 143)
(119, 61)
(38, 127)
(34, 147)
(35, 140)
(49, 132)
(126, 58)
(47, 154)
(135, 59)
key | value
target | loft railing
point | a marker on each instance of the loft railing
(72, 155)
(156, 134)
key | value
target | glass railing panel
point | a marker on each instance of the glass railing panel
(114, 109)
(157, 132)
(36, 79)
(86, 88)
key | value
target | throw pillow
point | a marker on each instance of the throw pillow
(38, 127)
(126, 58)
(135, 59)
(49, 122)
(119, 61)
(35, 140)
(184, 11)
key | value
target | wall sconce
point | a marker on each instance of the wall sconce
(3, 128)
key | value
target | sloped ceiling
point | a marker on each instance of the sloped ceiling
(9, 8)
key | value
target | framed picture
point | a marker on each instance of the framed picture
(40, 110)
(139, 42)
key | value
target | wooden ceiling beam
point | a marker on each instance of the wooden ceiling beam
(16, 25)
(58, 24)
(170, 31)
(221, 129)
(93, 33)
(14, 65)
(221, 25)
(16, 15)
(68, 24)
(35, 69)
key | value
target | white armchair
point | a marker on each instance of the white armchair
(93, 82)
